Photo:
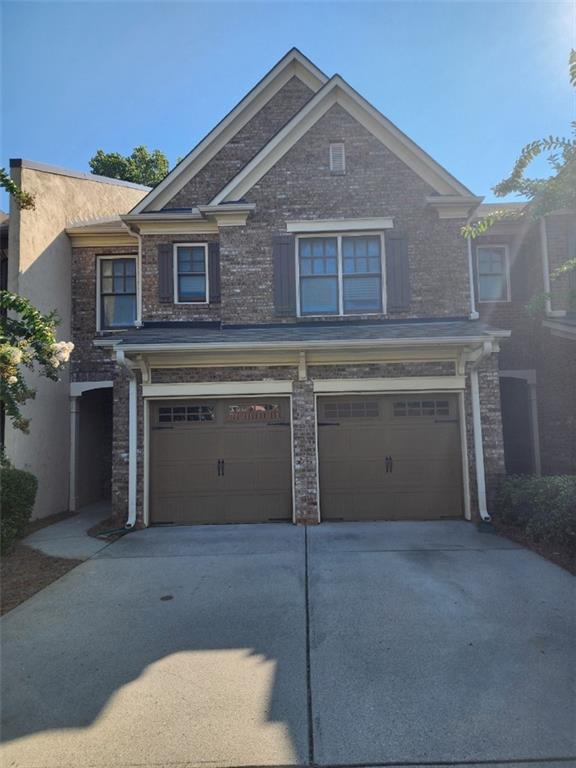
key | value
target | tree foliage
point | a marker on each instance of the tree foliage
(23, 199)
(543, 195)
(27, 339)
(141, 167)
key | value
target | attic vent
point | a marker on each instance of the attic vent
(337, 158)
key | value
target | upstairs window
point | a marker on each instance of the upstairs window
(493, 279)
(337, 159)
(117, 289)
(340, 275)
(191, 273)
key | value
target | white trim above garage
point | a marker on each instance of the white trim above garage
(218, 389)
(401, 384)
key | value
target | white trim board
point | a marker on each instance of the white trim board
(218, 389)
(294, 64)
(337, 91)
(339, 225)
(401, 384)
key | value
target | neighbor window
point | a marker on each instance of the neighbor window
(117, 292)
(340, 275)
(190, 273)
(492, 261)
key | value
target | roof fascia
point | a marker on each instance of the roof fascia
(337, 91)
(293, 64)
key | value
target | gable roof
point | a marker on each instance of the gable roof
(337, 91)
(294, 63)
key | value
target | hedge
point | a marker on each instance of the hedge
(544, 508)
(17, 496)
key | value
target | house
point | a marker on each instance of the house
(291, 327)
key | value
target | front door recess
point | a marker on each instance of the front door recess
(389, 457)
(220, 461)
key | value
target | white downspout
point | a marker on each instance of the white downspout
(477, 430)
(473, 312)
(132, 438)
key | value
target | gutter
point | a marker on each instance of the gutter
(132, 438)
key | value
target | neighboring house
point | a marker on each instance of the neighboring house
(39, 267)
(287, 327)
(513, 264)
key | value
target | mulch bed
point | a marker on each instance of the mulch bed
(26, 571)
(557, 554)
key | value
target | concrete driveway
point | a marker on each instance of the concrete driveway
(345, 644)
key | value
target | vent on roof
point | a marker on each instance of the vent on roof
(337, 158)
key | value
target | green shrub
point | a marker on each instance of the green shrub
(17, 496)
(543, 507)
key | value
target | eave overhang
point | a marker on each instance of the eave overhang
(205, 219)
(453, 206)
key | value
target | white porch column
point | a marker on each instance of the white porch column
(74, 435)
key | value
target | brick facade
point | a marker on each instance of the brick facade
(305, 469)
(300, 186)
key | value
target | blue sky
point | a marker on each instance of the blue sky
(470, 82)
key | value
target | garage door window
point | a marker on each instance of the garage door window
(252, 412)
(356, 409)
(186, 413)
(404, 408)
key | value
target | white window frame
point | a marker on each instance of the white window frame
(339, 236)
(333, 146)
(506, 248)
(175, 271)
(114, 257)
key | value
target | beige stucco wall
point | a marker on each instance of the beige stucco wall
(39, 256)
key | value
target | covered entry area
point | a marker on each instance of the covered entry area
(220, 460)
(390, 457)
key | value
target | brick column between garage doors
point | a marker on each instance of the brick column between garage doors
(305, 455)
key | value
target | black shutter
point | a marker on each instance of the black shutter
(284, 260)
(518, 274)
(214, 272)
(397, 272)
(165, 273)
(475, 274)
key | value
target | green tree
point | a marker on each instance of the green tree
(141, 167)
(23, 199)
(27, 340)
(543, 195)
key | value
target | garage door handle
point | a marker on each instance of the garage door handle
(328, 423)
(219, 464)
(389, 463)
(222, 466)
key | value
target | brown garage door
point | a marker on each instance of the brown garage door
(220, 461)
(389, 457)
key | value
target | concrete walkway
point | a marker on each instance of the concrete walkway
(68, 538)
(270, 645)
